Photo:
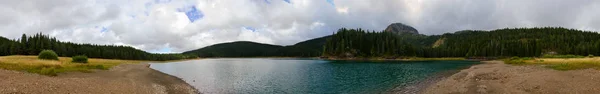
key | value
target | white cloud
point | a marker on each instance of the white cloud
(159, 26)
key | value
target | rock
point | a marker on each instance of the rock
(400, 28)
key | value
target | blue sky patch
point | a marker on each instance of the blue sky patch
(192, 13)
(163, 50)
(331, 2)
(288, 1)
(104, 29)
(250, 28)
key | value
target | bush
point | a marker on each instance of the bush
(48, 55)
(80, 59)
(517, 60)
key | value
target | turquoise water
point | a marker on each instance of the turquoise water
(268, 76)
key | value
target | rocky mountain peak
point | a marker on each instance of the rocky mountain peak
(400, 28)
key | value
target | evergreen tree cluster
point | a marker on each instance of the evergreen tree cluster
(32, 45)
(361, 43)
(522, 42)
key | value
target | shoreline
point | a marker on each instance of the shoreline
(419, 87)
(179, 80)
(401, 59)
(123, 79)
(498, 78)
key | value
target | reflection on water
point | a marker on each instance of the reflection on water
(267, 76)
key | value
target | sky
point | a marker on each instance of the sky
(171, 26)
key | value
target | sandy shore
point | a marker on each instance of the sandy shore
(122, 79)
(495, 77)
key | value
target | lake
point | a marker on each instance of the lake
(268, 75)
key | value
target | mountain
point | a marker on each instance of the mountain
(236, 49)
(309, 48)
(399, 28)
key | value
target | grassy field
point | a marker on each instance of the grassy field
(51, 67)
(559, 63)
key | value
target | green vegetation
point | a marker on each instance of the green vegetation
(236, 49)
(48, 55)
(563, 56)
(517, 60)
(53, 67)
(32, 45)
(309, 48)
(80, 59)
(521, 42)
(559, 63)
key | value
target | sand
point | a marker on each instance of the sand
(122, 79)
(495, 77)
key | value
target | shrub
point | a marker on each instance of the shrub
(48, 55)
(80, 59)
(51, 71)
(517, 60)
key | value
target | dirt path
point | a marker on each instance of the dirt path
(122, 79)
(495, 77)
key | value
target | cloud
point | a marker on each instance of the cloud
(182, 25)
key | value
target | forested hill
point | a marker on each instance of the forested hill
(309, 48)
(524, 42)
(32, 45)
(236, 49)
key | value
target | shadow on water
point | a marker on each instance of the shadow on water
(289, 75)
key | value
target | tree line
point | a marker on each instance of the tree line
(32, 45)
(522, 42)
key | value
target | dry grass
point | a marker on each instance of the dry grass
(567, 63)
(438, 42)
(52, 67)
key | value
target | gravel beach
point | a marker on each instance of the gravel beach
(122, 79)
(495, 77)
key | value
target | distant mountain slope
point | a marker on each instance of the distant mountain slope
(309, 48)
(236, 49)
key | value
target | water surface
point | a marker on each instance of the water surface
(268, 76)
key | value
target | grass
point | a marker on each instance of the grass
(559, 63)
(52, 67)
(562, 56)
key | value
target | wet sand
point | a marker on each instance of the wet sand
(495, 77)
(122, 79)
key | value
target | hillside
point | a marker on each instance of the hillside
(236, 49)
(309, 48)
(523, 42)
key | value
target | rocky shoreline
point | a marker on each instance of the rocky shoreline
(122, 79)
(495, 77)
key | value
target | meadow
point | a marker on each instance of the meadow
(53, 67)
